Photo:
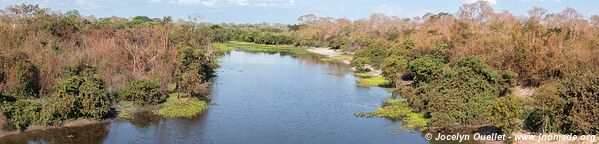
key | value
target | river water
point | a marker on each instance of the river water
(258, 98)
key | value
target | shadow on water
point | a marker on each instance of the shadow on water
(95, 133)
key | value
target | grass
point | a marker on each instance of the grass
(373, 81)
(181, 107)
(253, 47)
(222, 47)
(398, 109)
(362, 75)
(339, 58)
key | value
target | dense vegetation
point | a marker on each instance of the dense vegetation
(60, 66)
(460, 68)
(451, 69)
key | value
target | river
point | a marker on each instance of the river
(258, 98)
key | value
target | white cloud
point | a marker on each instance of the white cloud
(388, 10)
(490, 1)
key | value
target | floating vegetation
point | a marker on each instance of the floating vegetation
(175, 107)
(362, 75)
(398, 109)
(373, 81)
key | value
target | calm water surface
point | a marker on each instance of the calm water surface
(258, 98)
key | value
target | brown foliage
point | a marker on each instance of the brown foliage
(539, 47)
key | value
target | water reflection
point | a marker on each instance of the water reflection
(95, 133)
(264, 98)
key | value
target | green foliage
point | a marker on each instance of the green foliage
(137, 20)
(252, 47)
(222, 47)
(23, 113)
(197, 67)
(398, 109)
(78, 96)
(182, 107)
(198, 61)
(569, 106)
(374, 54)
(359, 63)
(394, 66)
(440, 51)
(424, 69)
(374, 81)
(457, 94)
(506, 113)
(143, 91)
(362, 75)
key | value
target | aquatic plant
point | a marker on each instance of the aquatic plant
(374, 81)
(176, 107)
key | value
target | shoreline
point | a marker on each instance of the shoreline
(69, 123)
(123, 108)
(330, 53)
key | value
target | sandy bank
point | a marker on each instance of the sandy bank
(331, 53)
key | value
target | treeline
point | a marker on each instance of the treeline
(463, 66)
(59, 66)
(260, 33)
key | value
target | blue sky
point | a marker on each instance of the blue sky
(287, 11)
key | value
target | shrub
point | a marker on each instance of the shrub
(360, 64)
(197, 60)
(506, 113)
(143, 92)
(23, 113)
(192, 83)
(424, 69)
(459, 94)
(79, 96)
(569, 106)
(394, 66)
(20, 76)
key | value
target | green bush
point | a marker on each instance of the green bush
(569, 106)
(78, 96)
(506, 113)
(459, 94)
(197, 60)
(424, 69)
(440, 51)
(23, 113)
(143, 92)
(394, 67)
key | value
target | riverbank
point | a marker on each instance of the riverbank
(66, 124)
(174, 107)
